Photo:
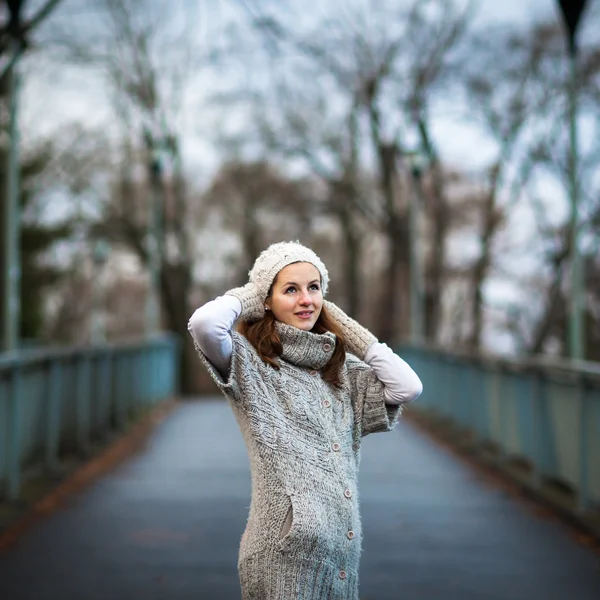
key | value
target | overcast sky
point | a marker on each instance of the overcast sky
(52, 97)
(516, 10)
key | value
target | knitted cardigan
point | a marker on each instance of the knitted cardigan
(303, 536)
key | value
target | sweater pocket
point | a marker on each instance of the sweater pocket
(287, 524)
(287, 529)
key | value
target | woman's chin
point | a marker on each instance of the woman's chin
(304, 324)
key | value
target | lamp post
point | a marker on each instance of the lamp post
(98, 321)
(572, 11)
(10, 218)
(154, 234)
(416, 163)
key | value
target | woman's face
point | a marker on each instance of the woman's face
(296, 297)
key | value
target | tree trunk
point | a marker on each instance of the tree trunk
(387, 317)
(352, 270)
(440, 216)
(352, 254)
(250, 238)
(554, 312)
(481, 268)
(395, 313)
(176, 285)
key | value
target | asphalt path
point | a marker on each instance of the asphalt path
(166, 524)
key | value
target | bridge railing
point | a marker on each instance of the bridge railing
(543, 412)
(56, 402)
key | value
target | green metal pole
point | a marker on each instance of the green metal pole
(577, 304)
(11, 234)
(155, 252)
(151, 299)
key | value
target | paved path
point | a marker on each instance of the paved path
(166, 525)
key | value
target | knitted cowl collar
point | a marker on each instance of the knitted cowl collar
(303, 348)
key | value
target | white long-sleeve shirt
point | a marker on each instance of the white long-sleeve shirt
(211, 325)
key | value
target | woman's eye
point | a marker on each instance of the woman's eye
(314, 286)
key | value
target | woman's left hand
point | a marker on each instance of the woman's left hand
(358, 338)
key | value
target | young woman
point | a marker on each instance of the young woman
(305, 382)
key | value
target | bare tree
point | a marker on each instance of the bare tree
(507, 95)
(261, 205)
(329, 147)
(147, 57)
(17, 26)
(381, 77)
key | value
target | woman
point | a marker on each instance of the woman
(305, 382)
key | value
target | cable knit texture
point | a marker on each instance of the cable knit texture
(252, 306)
(280, 255)
(303, 536)
(358, 338)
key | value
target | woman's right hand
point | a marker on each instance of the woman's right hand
(252, 306)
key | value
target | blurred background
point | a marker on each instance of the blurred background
(441, 156)
(433, 152)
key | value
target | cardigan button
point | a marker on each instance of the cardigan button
(335, 447)
(326, 403)
(313, 372)
(327, 347)
(343, 574)
(350, 534)
(348, 494)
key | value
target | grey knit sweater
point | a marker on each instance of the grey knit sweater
(303, 536)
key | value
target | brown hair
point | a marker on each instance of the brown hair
(263, 336)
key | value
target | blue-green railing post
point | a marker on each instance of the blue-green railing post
(584, 414)
(53, 414)
(537, 398)
(106, 379)
(83, 403)
(496, 397)
(120, 392)
(14, 434)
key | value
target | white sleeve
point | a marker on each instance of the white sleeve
(210, 326)
(401, 383)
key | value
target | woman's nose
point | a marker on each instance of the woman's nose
(305, 297)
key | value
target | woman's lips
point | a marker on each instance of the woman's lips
(304, 315)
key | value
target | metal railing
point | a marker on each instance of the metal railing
(56, 402)
(545, 411)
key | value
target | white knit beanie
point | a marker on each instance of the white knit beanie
(280, 255)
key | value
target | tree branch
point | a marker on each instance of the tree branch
(42, 13)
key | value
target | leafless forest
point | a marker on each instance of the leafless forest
(255, 121)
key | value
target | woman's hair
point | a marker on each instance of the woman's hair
(265, 339)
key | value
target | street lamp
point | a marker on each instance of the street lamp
(572, 11)
(154, 234)
(10, 259)
(416, 162)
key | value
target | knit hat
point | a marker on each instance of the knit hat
(280, 255)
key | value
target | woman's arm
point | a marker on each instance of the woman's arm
(210, 326)
(401, 383)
